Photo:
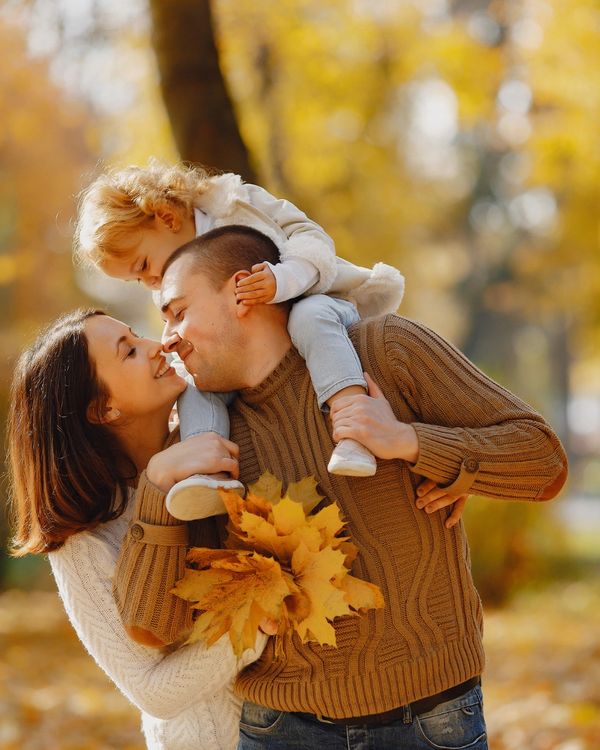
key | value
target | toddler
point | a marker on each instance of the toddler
(131, 220)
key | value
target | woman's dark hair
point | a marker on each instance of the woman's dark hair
(68, 473)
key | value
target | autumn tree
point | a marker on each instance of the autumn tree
(194, 90)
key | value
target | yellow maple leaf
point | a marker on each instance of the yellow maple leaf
(268, 487)
(234, 598)
(283, 561)
(316, 574)
(305, 492)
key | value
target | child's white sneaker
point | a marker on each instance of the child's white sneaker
(198, 496)
(351, 459)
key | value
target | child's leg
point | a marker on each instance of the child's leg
(317, 327)
(200, 411)
(198, 496)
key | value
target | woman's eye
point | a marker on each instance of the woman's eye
(131, 352)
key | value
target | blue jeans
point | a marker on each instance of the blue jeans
(453, 725)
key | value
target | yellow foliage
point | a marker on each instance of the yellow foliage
(283, 562)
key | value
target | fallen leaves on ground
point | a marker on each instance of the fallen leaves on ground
(541, 687)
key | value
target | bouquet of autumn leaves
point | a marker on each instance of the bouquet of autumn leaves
(283, 561)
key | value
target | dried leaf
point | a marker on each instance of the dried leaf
(268, 487)
(235, 598)
(305, 492)
(281, 562)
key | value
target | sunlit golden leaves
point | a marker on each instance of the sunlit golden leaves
(285, 562)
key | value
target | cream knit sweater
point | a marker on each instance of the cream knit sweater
(186, 697)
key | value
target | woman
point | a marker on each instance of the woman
(88, 426)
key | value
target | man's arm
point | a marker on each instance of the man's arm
(466, 434)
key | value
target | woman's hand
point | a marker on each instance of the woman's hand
(430, 498)
(207, 453)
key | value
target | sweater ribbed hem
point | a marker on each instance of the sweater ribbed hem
(369, 693)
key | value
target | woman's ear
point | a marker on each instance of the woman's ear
(105, 415)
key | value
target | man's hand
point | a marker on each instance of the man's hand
(430, 498)
(369, 419)
(258, 288)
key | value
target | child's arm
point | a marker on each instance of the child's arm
(306, 240)
(277, 283)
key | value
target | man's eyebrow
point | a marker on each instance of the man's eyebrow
(122, 339)
(165, 306)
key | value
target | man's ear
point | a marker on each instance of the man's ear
(106, 415)
(171, 219)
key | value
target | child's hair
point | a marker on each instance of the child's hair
(121, 201)
(67, 473)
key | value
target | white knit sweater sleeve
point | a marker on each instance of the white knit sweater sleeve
(161, 685)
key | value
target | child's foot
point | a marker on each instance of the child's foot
(198, 496)
(351, 459)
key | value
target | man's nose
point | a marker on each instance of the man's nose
(170, 340)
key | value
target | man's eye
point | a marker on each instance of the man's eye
(179, 315)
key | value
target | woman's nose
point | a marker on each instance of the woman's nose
(152, 282)
(154, 348)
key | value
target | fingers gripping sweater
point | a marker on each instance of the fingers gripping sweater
(473, 436)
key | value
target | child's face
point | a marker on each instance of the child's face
(152, 247)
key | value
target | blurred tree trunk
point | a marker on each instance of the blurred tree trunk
(195, 93)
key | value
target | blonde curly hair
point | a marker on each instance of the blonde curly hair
(121, 201)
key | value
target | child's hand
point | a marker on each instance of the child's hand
(430, 498)
(258, 288)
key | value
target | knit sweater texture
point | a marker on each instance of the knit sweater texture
(473, 436)
(186, 696)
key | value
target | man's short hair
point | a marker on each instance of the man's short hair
(220, 253)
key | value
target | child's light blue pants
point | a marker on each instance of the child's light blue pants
(317, 327)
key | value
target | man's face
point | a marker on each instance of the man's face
(201, 325)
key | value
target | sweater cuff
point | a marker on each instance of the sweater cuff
(443, 458)
(150, 505)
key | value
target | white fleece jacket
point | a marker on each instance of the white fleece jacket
(227, 200)
(186, 697)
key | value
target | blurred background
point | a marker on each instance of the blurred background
(458, 141)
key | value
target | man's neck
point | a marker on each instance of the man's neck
(264, 353)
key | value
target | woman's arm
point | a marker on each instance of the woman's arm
(152, 556)
(162, 685)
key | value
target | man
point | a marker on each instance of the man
(406, 676)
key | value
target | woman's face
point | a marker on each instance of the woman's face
(134, 370)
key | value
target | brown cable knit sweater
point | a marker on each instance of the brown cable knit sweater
(473, 435)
